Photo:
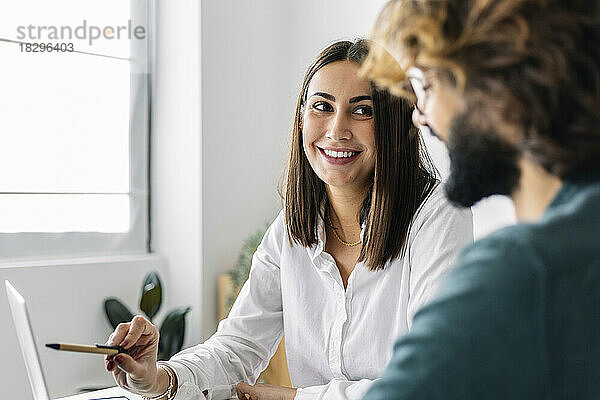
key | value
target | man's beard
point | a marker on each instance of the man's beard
(481, 163)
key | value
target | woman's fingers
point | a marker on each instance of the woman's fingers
(243, 391)
(261, 391)
(240, 395)
(145, 340)
(127, 364)
(135, 336)
(136, 369)
(139, 326)
(119, 334)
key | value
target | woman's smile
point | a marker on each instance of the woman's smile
(339, 156)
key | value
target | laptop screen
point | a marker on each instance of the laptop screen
(27, 342)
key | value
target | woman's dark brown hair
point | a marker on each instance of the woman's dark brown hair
(539, 60)
(403, 177)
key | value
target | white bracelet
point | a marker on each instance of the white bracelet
(169, 392)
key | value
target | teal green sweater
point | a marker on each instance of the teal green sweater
(517, 318)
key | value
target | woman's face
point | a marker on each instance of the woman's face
(338, 127)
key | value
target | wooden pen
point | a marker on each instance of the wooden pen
(82, 348)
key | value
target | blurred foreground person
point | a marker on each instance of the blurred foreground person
(512, 87)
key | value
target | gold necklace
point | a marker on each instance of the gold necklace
(338, 237)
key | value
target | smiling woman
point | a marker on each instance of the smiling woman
(391, 174)
(363, 239)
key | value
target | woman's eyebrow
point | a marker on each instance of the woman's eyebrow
(323, 94)
(359, 98)
(332, 98)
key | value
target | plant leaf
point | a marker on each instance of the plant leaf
(116, 312)
(240, 272)
(172, 332)
(151, 295)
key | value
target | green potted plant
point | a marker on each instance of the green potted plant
(172, 329)
(240, 272)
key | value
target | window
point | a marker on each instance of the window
(74, 111)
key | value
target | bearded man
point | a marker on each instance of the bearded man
(512, 87)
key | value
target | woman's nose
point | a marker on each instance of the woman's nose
(340, 128)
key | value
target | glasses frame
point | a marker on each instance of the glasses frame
(415, 79)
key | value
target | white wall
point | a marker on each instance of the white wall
(176, 154)
(246, 119)
(315, 24)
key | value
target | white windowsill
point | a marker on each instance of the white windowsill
(94, 260)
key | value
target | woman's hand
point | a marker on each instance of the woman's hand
(264, 392)
(136, 371)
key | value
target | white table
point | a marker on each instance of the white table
(110, 392)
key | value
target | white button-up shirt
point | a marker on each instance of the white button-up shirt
(336, 340)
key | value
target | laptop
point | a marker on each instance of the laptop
(20, 316)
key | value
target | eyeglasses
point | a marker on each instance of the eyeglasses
(415, 79)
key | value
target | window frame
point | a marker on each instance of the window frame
(43, 245)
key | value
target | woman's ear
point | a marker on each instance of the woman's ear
(301, 116)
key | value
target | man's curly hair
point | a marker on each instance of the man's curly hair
(539, 59)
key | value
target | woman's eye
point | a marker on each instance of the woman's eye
(322, 106)
(364, 110)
